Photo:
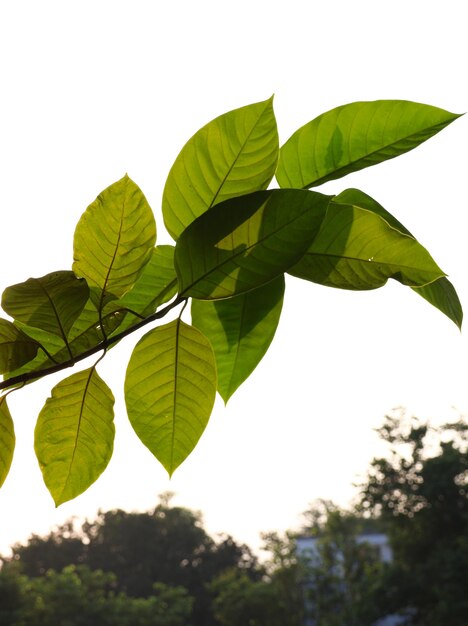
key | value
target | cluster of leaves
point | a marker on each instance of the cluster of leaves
(421, 498)
(77, 596)
(165, 552)
(235, 239)
(416, 495)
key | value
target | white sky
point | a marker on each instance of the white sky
(90, 90)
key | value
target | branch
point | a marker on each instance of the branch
(104, 345)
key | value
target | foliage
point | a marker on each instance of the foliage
(419, 492)
(167, 547)
(77, 596)
(235, 238)
(343, 576)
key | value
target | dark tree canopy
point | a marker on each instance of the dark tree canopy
(420, 494)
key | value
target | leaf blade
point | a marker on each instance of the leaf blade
(16, 348)
(51, 303)
(234, 154)
(170, 388)
(7, 439)
(441, 294)
(357, 249)
(354, 136)
(114, 239)
(243, 243)
(156, 285)
(240, 330)
(74, 434)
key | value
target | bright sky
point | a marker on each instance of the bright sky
(93, 89)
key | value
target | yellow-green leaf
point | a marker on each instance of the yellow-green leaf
(7, 440)
(74, 434)
(114, 240)
(232, 155)
(170, 389)
(357, 249)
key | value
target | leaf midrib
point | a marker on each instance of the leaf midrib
(247, 248)
(241, 149)
(342, 171)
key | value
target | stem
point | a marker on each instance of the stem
(103, 345)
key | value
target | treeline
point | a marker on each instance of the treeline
(162, 568)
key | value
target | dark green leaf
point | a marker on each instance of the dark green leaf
(51, 303)
(114, 240)
(358, 249)
(246, 242)
(7, 440)
(16, 348)
(240, 329)
(441, 294)
(232, 155)
(354, 136)
(74, 435)
(170, 389)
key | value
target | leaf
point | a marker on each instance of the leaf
(114, 240)
(16, 348)
(74, 434)
(357, 249)
(240, 329)
(170, 389)
(440, 293)
(156, 285)
(51, 303)
(354, 136)
(243, 243)
(232, 155)
(7, 439)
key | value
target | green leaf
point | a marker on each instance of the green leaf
(357, 249)
(114, 240)
(51, 303)
(246, 242)
(170, 389)
(232, 155)
(16, 348)
(354, 136)
(441, 294)
(74, 434)
(364, 201)
(7, 440)
(240, 329)
(156, 285)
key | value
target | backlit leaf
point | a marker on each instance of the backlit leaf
(156, 285)
(246, 242)
(232, 155)
(51, 303)
(16, 348)
(170, 389)
(74, 434)
(357, 249)
(440, 293)
(114, 239)
(7, 440)
(354, 136)
(240, 329)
